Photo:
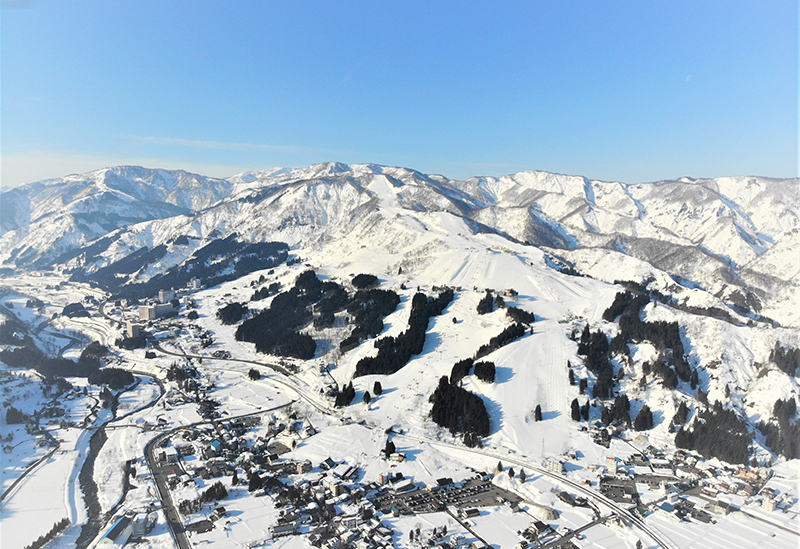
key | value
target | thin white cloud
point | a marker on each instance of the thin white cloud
(18, 169)
(216, 145)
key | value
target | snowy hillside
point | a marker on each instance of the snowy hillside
(737, 238)
(42, 220)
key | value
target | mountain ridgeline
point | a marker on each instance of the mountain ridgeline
(736, 236)
(666, 304)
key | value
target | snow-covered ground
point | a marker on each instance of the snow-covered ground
(530, 371)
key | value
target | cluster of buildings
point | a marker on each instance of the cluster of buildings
(158, 310)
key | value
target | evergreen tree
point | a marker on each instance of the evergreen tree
(522, 476)
(255, 483)
(571, 377)
(644, 420)
(14, 416)
(389, 449)
(485, 371)
(537, 413)
(485, 305)
(576, 410)
(681, 413)
(367, 397)
(376, 388)
(510, 472)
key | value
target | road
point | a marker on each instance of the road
(593, 495)
(162, 471)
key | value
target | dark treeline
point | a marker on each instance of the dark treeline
(30, 357)
(274, 330)
(594, 346)
(509, 334)
(784, 437)
(485, 371)
(717, 433)
(460, 370)
(520, 315)
(395, 352)
(364, 281)
(219, 261)
(644, 420)
(232, 313)
(266, 291)
(669, 378)
(43, 540)
(619, 411)
(345, 396)
(459, 410)
(367, 310)
(663, 335)
(785, 358)
(486, 304)
(11, 332)
(113, 377)
(54, 370)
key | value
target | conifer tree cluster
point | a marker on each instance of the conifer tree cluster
(783, 437)
(364, 281)
(275, 330)
(115, 378)
(29, 356)
(14, 416)
(619, 411)
(232, 313)
(345, 396)
(681, 414)
(265, 291)
(460, 370)
(509, 334)
(459, 410)
(395, 352)
(663, 335)
(575, 410)
(486, 304)
(594, 346)
(216, 491)
(367, 309)
(785, 358)
(719, 433)
(485, 371)
(520, 315)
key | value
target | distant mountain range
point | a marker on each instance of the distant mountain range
(734, 238)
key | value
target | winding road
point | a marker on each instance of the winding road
(177, 528)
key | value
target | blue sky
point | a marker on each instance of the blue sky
(628, 91)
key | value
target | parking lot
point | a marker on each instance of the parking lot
(473, 493)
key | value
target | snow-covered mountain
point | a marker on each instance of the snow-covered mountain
(737, 238)
(40, 221)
